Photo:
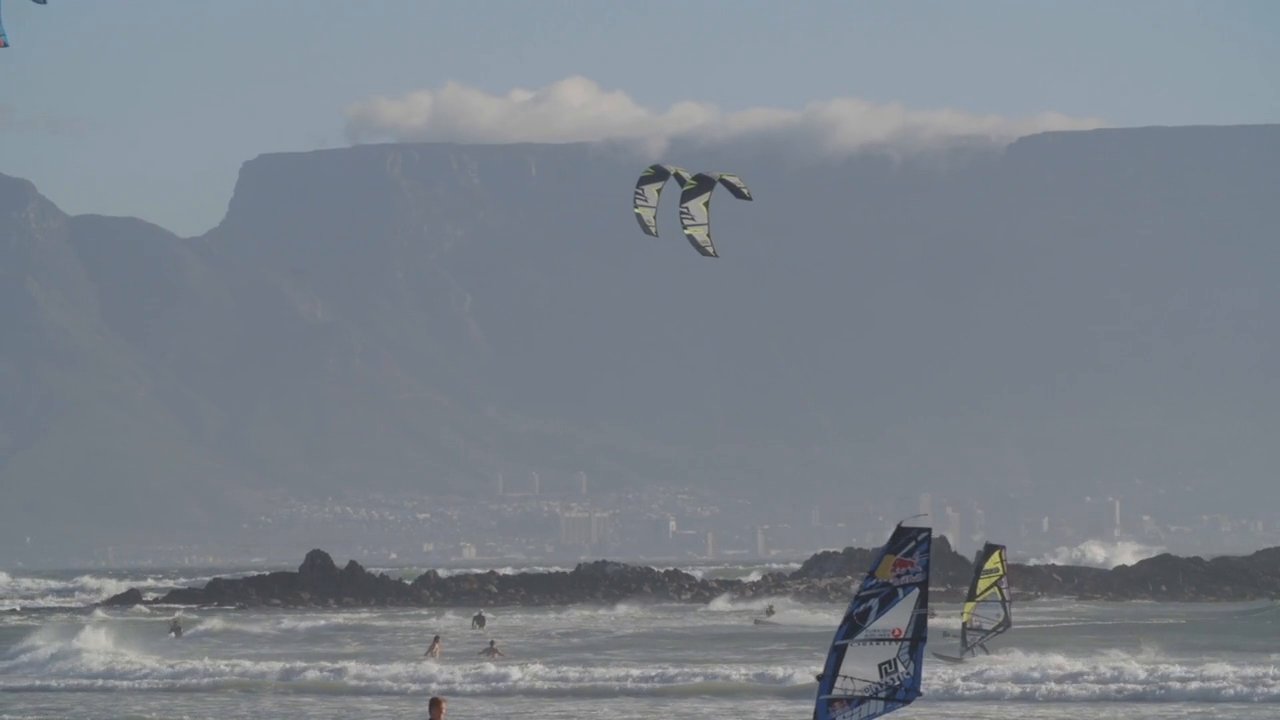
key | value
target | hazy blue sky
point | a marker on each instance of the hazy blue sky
(148, 107)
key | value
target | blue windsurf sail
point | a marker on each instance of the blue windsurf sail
(875, 660)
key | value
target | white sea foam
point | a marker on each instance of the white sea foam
(556, 652)
(96, 658)
(31, 591)
(1100, 554)
(1109, 676)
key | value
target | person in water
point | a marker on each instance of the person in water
(433, 651)
(492, 651)
(435, 708)
(769, 611)
(477, 622)
(175, 628)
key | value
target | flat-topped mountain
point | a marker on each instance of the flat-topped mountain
(1041, 320)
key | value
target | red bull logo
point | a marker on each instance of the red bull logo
(899, 570)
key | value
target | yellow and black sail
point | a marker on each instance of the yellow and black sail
(986, 611)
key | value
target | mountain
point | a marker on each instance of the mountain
(1048, 319)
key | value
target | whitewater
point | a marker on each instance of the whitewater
(62, 658)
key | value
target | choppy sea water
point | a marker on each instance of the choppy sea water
(1064, 659)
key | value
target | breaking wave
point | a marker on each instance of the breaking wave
(98, 657)
(1100, 554)
(23, 591)
(1109, 676)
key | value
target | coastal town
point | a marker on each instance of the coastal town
(536, 523)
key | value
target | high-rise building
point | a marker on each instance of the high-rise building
(953, 527)
(979, 524)
(926, 504)
(585, 529)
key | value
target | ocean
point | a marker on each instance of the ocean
(1063, 659)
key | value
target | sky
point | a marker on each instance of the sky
(149, 107)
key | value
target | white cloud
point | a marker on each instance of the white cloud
(577, 109)
(1101, 554)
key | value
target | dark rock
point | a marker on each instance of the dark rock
(132, 596)
(318, 564)
(825, 577)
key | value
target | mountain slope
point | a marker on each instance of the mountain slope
(1074, 311)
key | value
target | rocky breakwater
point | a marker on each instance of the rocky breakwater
(599, 581)
(319, 583)
(829, 577)
(1163, 578)
(825, 577)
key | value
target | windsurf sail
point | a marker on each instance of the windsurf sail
(875, 660)
(986, 611)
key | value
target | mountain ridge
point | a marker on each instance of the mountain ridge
(419, 318)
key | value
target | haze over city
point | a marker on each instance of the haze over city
(384, 271)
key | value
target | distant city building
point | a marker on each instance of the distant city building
(926, 505)
(953, 527)
(585, 529)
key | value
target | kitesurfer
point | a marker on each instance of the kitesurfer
(477, 622)
(433, 651)
(492, 651)
(435, 708)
